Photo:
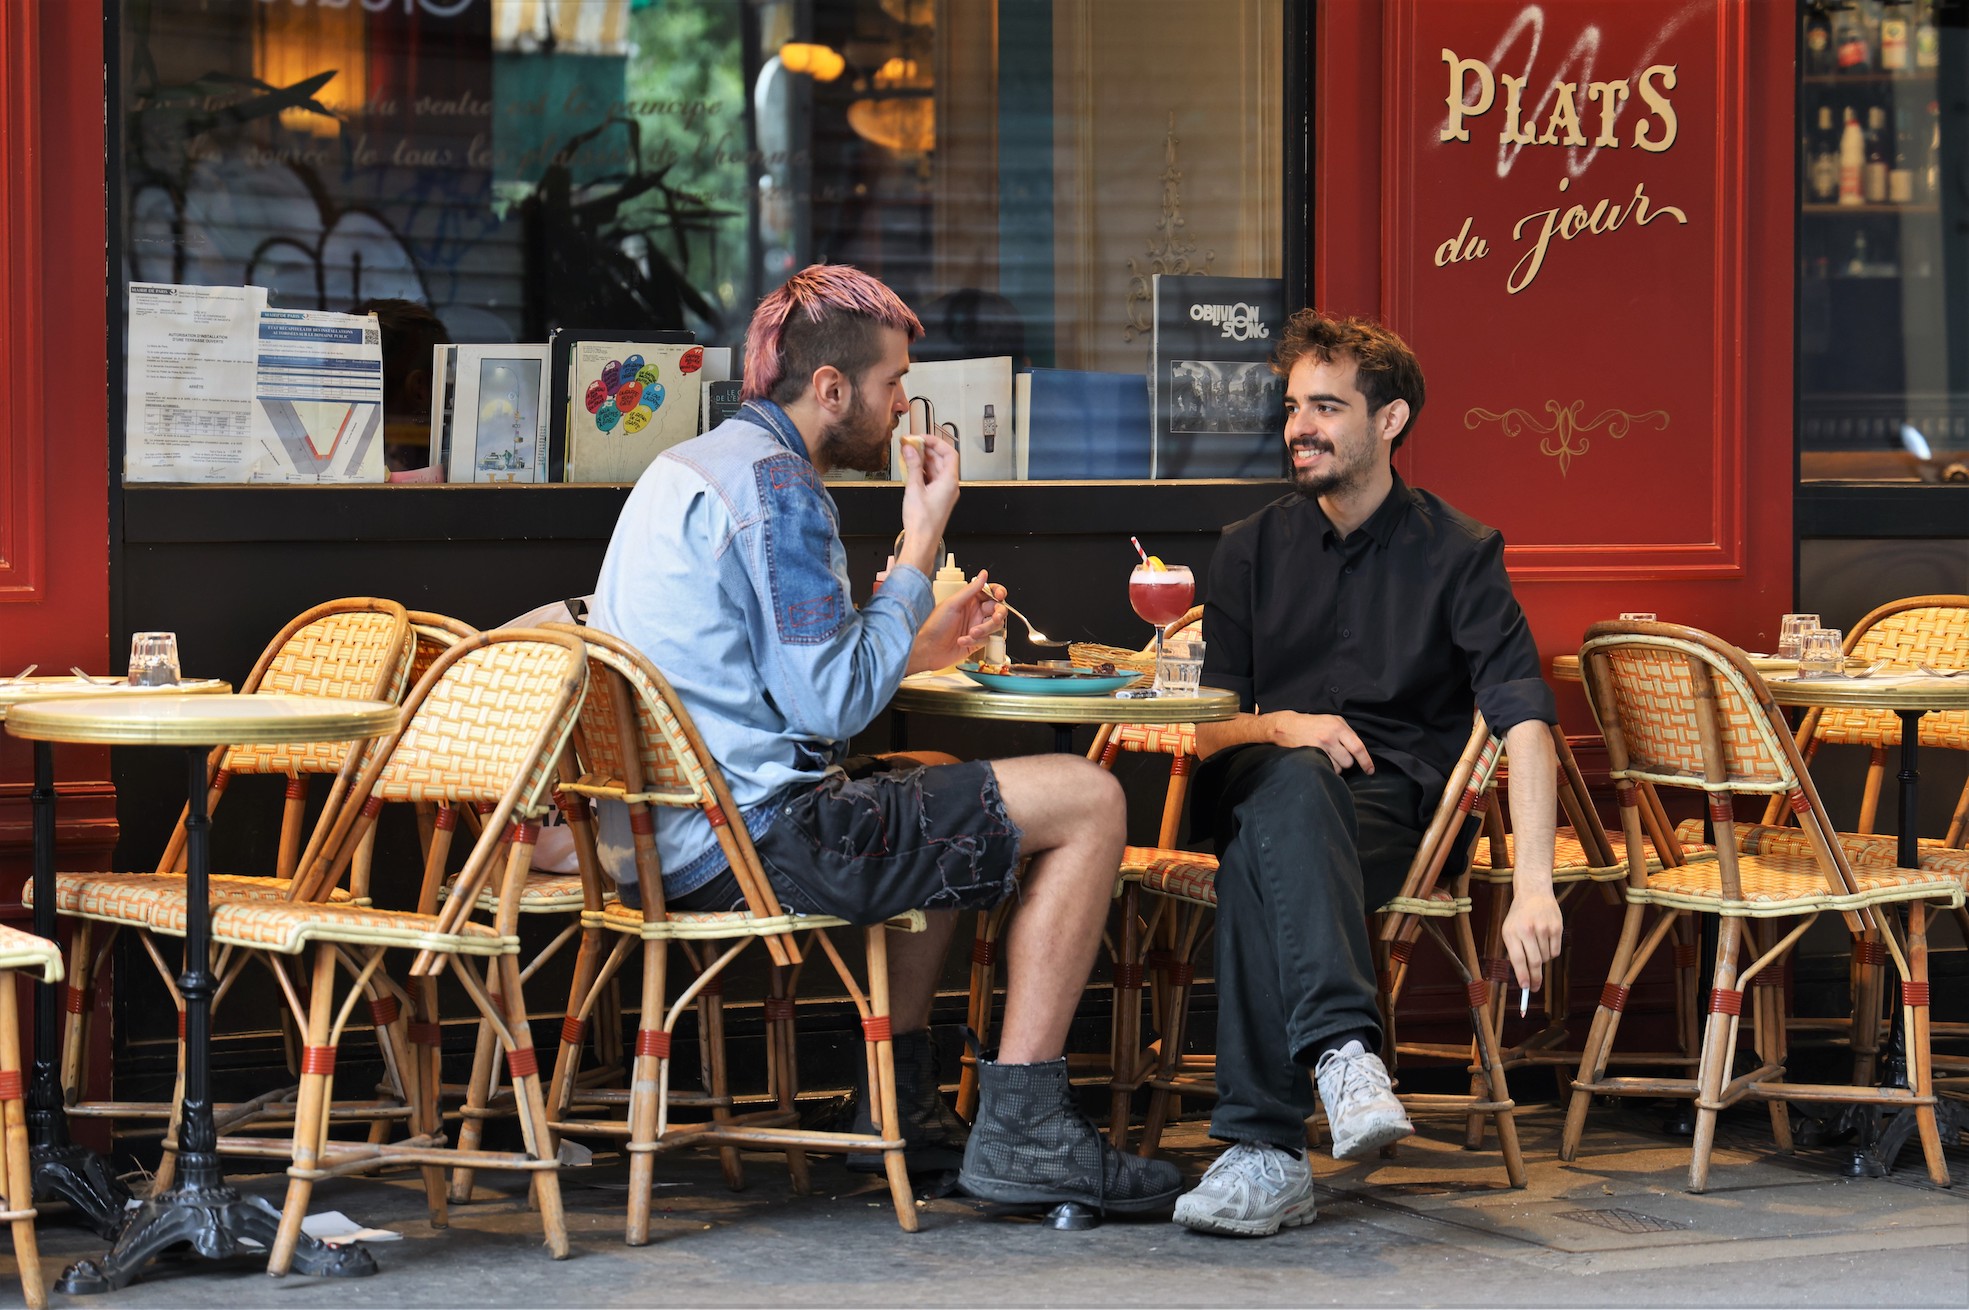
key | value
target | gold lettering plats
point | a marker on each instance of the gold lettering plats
(1576, 108)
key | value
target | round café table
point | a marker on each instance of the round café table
(200, 1209)
(61, 1169)
(943, 694)
(1909, 695)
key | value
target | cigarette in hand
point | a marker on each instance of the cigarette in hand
(1524, 1002)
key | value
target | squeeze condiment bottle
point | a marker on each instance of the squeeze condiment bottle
(948, 582)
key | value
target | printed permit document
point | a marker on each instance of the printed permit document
(318, 388)
(224, 389)
(192, 361)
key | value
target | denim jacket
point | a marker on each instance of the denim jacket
(726, 568)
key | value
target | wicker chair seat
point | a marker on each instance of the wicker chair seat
(713, 925)
(1185, 875)
(1871, 850)
(544, 893)
(288, 929)
(1775, 885)
(1440, 903)
(154, 900)
(1569, 862)
(24, 950)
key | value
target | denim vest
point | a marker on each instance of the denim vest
(726, 568)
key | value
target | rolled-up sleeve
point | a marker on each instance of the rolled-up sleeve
(1489, 627)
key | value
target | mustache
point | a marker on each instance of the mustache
(1311, 443)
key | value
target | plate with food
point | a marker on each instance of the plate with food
(1054, 678)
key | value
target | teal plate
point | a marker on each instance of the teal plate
(1082, 682)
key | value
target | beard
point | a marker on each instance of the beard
(1338, 476)
(859, 441)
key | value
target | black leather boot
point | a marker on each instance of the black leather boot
(932, 1134)
(1031, 1145)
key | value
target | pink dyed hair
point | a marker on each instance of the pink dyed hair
(838, 309)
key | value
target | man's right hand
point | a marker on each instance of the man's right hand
(1329, 732)
(929, 493)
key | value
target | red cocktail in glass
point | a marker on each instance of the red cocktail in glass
(1161, 596)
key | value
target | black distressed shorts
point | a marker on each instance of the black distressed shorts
(880, 836)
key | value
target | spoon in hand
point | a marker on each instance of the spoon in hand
(1033, 635)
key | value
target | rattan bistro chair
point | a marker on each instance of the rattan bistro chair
(486, 724)
(359, 648)
(1681, 708)
(20, 952)
(638, 746)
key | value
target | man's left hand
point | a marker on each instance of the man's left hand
(958, 626)
(1533, 932)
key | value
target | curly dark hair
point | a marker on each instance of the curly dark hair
(1385, 368)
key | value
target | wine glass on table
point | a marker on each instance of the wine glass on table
(1161, 594)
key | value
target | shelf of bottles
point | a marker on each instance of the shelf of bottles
(1874, 241)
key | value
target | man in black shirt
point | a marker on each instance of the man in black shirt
(1359, 621)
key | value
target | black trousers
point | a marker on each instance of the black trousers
(1304, 854)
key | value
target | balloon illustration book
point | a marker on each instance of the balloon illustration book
(628, 403)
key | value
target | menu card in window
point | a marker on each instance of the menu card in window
(1219, 408)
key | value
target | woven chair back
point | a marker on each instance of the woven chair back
(1931, 630)
(1155, 738)
(356, 648)
(632, 731)
(664, 762)
(434, 634)
(486, 723)
(1652, 676)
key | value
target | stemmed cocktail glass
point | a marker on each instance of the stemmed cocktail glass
(1161, 594)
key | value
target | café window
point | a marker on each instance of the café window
(1078, 197)
(1883, 246)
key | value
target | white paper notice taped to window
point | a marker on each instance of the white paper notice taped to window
(224, 389)
(192, 358)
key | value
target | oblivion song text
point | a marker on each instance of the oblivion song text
(1576, 110)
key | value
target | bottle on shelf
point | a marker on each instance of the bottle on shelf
(1900, 170)
(1852, 159)
(1818, 39)
(1822, 160)
(1927, 39)
(1931, 164)
(1873, 185)
(1895, 53)
(1852, 51)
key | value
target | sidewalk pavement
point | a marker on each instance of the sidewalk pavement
(1436, 1225)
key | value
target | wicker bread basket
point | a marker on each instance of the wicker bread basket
(1142, 661)
(1089, 653)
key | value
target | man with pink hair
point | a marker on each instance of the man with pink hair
(727, 570)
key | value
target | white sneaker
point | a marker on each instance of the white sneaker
(1253, 1190)
(1361, 1108)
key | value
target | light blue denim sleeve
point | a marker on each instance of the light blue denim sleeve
(828, 667)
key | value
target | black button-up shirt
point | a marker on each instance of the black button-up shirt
(1399, 628)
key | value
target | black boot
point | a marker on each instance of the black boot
(933, 1136)
(1032, 1146)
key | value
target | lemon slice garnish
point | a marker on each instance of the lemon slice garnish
(1156, 565)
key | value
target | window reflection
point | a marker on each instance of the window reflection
(523, 165)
